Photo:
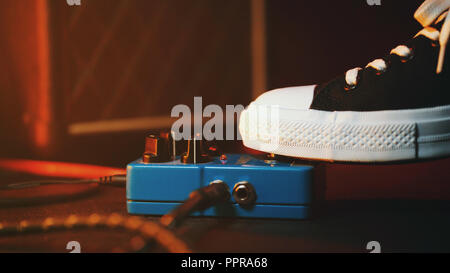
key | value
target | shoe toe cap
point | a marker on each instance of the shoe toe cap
(299, 97)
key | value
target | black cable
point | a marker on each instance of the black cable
(201, 199)
(114, 180)
(147, 231)
(11, 195)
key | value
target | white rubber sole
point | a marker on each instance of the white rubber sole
(374, 136)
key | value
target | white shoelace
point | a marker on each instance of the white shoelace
(429, 12)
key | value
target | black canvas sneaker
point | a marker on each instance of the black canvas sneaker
(396, 108)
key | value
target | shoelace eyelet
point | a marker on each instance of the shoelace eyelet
(380, 72)
(407, 58)
(348, 87)
(435, 43)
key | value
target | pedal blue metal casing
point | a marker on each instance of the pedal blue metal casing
(283, 189)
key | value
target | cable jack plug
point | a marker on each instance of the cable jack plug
(119, 180)
(216, 192)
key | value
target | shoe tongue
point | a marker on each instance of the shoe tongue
(430, 11)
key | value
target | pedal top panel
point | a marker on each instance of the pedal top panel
(279, 186)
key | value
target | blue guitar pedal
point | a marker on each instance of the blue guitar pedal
(261, 188)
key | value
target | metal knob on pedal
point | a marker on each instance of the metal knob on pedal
(156, 149)
(196, 152)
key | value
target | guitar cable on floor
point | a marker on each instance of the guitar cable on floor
(147, 231)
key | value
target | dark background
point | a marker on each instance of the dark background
(312, 41)
(106, 60)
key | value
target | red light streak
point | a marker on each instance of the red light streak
(58, 169)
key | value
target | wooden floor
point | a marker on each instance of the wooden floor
(338, 226)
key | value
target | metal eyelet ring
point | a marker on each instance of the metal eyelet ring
(348, 87)
(379, 72)
(410, 56)
(435, 43)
